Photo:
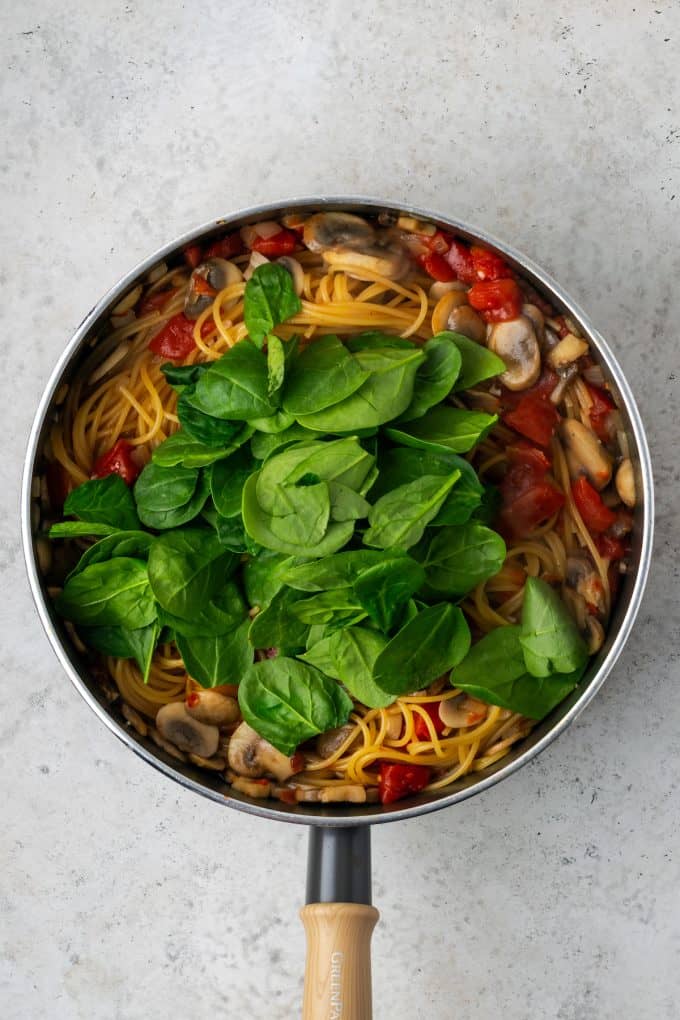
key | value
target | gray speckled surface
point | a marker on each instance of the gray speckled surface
(554, 895)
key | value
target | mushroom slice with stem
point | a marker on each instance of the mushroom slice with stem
(331, 741)
(446, 304)
(259, 789)
(462, 711)
(352, 793)
(625, 482)
(206, 281)
(582, 577)
(585, 453)
(252, 756)
(332, 230)
(212, 707)
(534, 313)
(296, 271)
(466, 321)
(179, 728)
(390, 261)
(515, 343)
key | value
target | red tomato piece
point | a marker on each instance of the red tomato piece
(117, 461)
(175, 340)
(279, 244)
(602, 405)
(437, 267)
(487, 265)
(530, 508)
(534, 417)
(438, 242)
(398, 780)
(524, 453)
(226, 248)
(154, 302)
(496, 300)
(459, 258)
(420, 726)
(193, 255)
(596, 516)
(609, 547)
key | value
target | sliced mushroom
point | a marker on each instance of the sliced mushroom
(585, 453)
(352, 793)
(127, 303)
(515, 343)
(462, 711)
(252, 756)
(217, 274)
(567, 351)
(179, 728)
(211, 707)
(293, 267)
(534, 313)
(582, 577)
(215, 764)
(390, 261)
(332, 230)
(259, 789)
(329, 742)
(444, 307)
(593, 633)
(465, 320)
(625, 483)
(439, 289)
(160, 741)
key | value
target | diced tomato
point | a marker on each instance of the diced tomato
(496, 300)
(420, 726)
(398, 780)
(175, 340)
(226, 248)
(524, 453)
(596, 516)
(279, 244)
(117, 461)
(297, 762)
(487, 265)
(534, 417)
(602, 405)
(611, 548)
(201, 285)
(286, 795)
(437, 267)
(58, 484)
(154, 302)
(193, 255)
(531, 508)
(459, 258)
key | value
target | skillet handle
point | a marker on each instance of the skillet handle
(338, 921)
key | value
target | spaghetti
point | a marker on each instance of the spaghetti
(132, 399)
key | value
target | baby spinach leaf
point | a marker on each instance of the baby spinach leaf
(183, 375)
(495, 672)
(400, 517)
(458, 558)
(402, 464)
(135, 544)
(227, 478)
(115, 593)
(383, 396)
(263, 446)
(337, 571)
(103, 501)
(435, 377)
(337, 608)
(349, 656)
(323, 374)
(182, 449)
(425, 647)
(288, 702)
(186, 568)
(346, 504)
(549, 636)
(206, 428)
(444, 428)
(263, 576)
(276, 365)
(236, 386)
(276, 423)
(160, 493)
(217, 659)
(277, 626)
(125, 644)
(477, 361)
(231, 533)
(384, 589)
(269, 299)
(221, 615)
(373, 338)
(80, 529)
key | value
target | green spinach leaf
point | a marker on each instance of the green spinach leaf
(186, 569)
(425, 647)
(182, 449)
(435, 377)
(457, 559)
(227, 478)
(125, 644)
(206, 428)
(183, 375)
(135, 544)
(236, 386)
(288, 702)
(80, 529)
(549, 636)
(384, 589)
(349, 656)
(444, 428)
(277, 626)
(400, 517)
(323, 374)
(217, 659)
(263, 576)
(221, 615)
(477, 362)
(338, 571)
(168, 497)
(115, 593)
(269, 299)
(265, 445)
(103, 501)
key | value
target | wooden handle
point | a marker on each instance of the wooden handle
(338, 970)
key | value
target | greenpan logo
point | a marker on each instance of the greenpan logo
(337, 960)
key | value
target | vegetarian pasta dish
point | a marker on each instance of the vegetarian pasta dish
(337, 509)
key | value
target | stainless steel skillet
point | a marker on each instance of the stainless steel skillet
(338, 917)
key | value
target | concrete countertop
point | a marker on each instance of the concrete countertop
(556, 127)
